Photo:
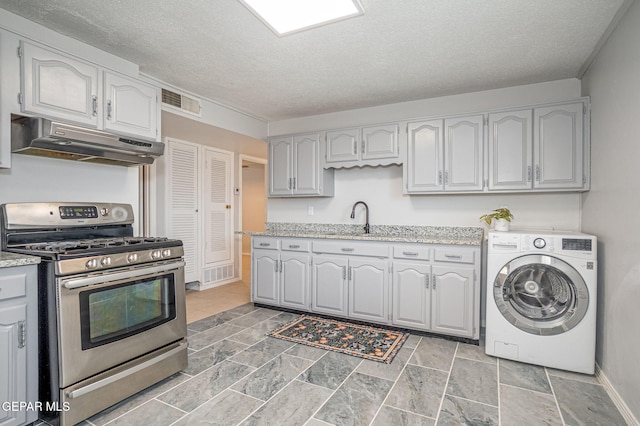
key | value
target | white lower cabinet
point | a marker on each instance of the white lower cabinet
(432, 288)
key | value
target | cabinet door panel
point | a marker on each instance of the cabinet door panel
(463, 142)
(306, 171)
(13, 362)
(558, 138)
(294, 281)
(329, 282)
(58, 86)
(411, 295)
(380, 142)
(510, 150)
(425, 157)
(342, 145)
(131, 106)
(368, 290)
(265, 277)
(280, 170)
(452, 310)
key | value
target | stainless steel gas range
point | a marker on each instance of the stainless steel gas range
(111, 308)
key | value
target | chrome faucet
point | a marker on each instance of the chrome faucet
(353, 214)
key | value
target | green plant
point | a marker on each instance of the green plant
(501, 213)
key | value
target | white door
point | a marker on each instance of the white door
(452, 310)
(266, 273)
(380, 142)
(182, 213)
(329, 285)
(131, 106)
(306, 175)
(280, 166)
(425, 157)
(411, 294)
(342, 145)
(218, 220)
(368, 289)
(510, 150)
(294, 280)
(13, 363)
(463, 145)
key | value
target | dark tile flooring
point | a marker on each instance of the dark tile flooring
(236, 375)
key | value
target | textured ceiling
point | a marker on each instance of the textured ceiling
(400, 50)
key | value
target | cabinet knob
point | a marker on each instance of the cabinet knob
(228, 206)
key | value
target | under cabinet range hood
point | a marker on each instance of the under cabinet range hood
(39, 136)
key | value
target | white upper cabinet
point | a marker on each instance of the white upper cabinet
(60, 87)
(366, 146)
(445, 155)
(130, 106)
(542, 148)
(295, 169)
(510, 150)
(558, 146)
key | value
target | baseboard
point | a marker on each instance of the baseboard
(206, 286)
(616, 398)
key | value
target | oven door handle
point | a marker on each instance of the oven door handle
(100, 279)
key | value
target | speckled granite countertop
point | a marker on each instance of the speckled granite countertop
(8, 260)
(396, 233)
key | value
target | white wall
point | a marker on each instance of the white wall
(381, 187)
(610, 209)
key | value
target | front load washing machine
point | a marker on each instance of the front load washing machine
(541, 298)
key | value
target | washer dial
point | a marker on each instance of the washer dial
(539, 243)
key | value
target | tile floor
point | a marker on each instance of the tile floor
(236, 375)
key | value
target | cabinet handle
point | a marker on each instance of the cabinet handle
(94, 101)
(289, 185)
(433, 280)
(537, 173)
(446, 177)
(265, 244)
(109, 110)
(364, 147)
(453, 256)
(440, 177)
(347, 249)
(529, 174)
(349, 273)
(281, 266)
(426, 279)
(22, 334)
(410, 253)
(355, 147)
(294, 183)
(344, 272)
(294, 246)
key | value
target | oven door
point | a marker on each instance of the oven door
(110, 318)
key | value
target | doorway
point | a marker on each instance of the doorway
(253, 206)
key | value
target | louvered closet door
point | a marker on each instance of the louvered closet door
(183, 203)
(217, 205)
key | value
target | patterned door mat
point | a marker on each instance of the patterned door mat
(377, 344)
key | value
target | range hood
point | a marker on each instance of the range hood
(39, 136)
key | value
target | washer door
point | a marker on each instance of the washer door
(541, 295)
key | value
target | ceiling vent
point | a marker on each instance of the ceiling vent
(181, 102)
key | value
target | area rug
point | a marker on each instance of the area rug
(377, 344)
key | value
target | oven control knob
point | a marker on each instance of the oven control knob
(105, 261)
(156, 254)
(166, 253)
(133, 257)
(539, 243)
(104, 211)
(92, 263)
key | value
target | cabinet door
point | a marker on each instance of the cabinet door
(452, 308)
(463, 145)
(280, 169)
(58, 86)
(218, 220)
(306, 164)
(411, 295)
(329, 285)
(13, 362)
(425, 157)
(294, 281)
(265, 273)
(183, 191)
(558, 146)
(369, 290)
(380, 142)
(130, 107)
(510, 150)
(342, 145)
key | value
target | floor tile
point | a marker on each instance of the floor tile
(388, 416)
(474, 352)
(255, 333)
(412, 341)
(150, 413)
(585, 403)
(271, 377)
(433, 352)
(588, 378)
(356, 401)
(457, 411)
(386, 371)
(228, 408)
(294, 405)
(212, 355)
(212, 321)
(252, 318)
(212, 335)
(262, 352)
(330, 370)
(418, 390)
(205, 386)
(474, 380)
(307, 352)
(524, 376)
(520, 406)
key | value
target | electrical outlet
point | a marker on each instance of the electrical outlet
(310, 210)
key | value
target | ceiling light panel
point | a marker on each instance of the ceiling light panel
(284, 17)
